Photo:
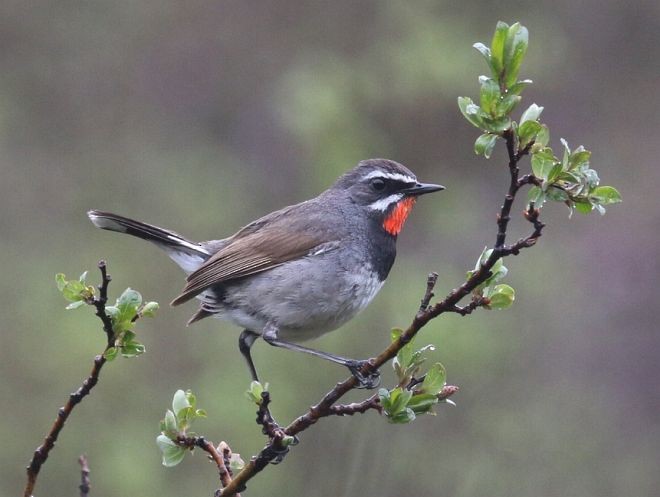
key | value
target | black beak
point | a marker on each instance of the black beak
(422, 188)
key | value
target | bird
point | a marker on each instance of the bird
(301, 271)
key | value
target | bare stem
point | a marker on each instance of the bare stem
(219, 455)
(85, 484)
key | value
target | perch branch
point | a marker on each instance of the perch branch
(326, 406)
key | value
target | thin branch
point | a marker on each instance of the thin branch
(270, 427)
(223, 471)
(100, 302)
(219, 455)
(85, 484)
(41, 453)
(357, 407)
(430, 285)
(373, 402)
(225, 449)
(476, 302)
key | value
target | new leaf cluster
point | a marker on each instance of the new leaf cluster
(494, 295)
(412, 397)
(176, 426)
(570, 179)
(127, 310)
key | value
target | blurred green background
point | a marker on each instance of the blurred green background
(200, 116)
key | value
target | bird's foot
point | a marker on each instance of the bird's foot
(276, 456)
(369, 380)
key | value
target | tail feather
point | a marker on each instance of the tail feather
(187, 254)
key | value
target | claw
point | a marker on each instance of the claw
(280, 456)
(368, 381)
(277, 455)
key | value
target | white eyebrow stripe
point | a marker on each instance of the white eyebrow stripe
(384, 203)
(395, 176)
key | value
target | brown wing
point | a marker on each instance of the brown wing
(251, 253)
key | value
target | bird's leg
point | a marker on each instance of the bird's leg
(245, 341)
(370, 380)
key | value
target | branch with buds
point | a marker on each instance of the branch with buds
(117, 322)
(568, 180)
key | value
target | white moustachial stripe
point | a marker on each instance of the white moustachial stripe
(383, 204)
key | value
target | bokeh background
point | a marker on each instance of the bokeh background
(202, 115)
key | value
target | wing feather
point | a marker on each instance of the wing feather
(248, 254)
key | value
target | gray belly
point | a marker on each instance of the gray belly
(301, 305)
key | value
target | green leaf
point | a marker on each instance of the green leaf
(399, 398)
(179, 402)
(606, 195)
(384, 398)
(568, 177)
(583, 207)
(567, 153)
(405, 354)
(405, 416)
(556, 194)
(184, 417)
(542, 163)
(498, 271)
(485, 254)
(489, 96)
(132, 349)
(128, 303)
(506, 105)
(422, 403)
(435, 378)
(149, 309)
(515, 48)
(517, 88)
(112, 312)
(537, 196)
(543, 136)
(75, 305)
(528, 131)
(110, 353)
(496, 125)
(532, 113)
(254, 392)
(485, 144)
(169, 423)
(579, 158)
(471, 111)
(554, 172)
(497, 48)
(485, 51)
(192, 399)
(172, 453)
(72, 291)
(60, 279)
(288, 440)
(236, 463)
(501, 297)
(590, 177)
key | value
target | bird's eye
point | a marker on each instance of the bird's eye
(378, 184)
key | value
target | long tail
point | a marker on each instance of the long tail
(188, 255)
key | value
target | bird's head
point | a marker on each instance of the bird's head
(386, 189)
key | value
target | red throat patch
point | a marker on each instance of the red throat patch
(395, 219)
